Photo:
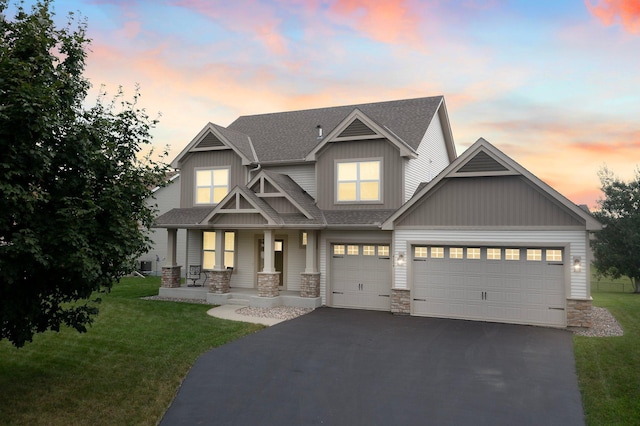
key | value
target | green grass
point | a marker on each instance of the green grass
(609, 367)
(125, 370)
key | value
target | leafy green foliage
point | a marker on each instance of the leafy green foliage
(617, 245)
(72, 188)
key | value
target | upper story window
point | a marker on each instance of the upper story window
(211, 185)
(359, 181)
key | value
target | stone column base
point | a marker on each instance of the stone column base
(268, 284)
(219, 281)
(171, 276)
(310, 284)
(400, 301)
(578, 313)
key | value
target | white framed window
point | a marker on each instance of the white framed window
(303, 239)
(369, 250)
(383, 251)
(473, 253)
(353, 250)
(553, 255)
(338, 250)
(359, 181)
(209, 249)
(420, 252)
(212, 185)
(534, 255)
(512, 254)
(456, 253)
(494, 254)
(437, 252)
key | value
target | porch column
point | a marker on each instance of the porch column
(310, 278)
(171, 271)
(268, 279)
(220, 278)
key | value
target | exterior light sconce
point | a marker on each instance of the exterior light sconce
(400, 261)
(577, 266)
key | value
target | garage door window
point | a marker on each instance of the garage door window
(383, 251)
(512, 254)
(473, 253)
(338, 250)
(421, 252)
(554, 256)
(456, 253)
(353, 250)
(369, 250)
(437, 252)
(534, 255)
(494, 254)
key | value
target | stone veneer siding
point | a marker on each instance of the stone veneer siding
(309, 285)
(268, 284)
(400, 302)
(578, 313)
(219, 281)
(171, 276)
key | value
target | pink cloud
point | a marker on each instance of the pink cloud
(610, 11)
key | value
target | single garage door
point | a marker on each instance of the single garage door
(361, 276)
(499, 284)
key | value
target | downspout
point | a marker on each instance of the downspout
(254, 170)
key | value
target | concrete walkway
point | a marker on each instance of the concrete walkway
(350, 367)
(228, 312)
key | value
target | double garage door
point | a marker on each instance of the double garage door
(361, 276)
(501, 284)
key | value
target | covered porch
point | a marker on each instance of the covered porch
(242, 297)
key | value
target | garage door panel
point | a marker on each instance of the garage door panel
(505, 290)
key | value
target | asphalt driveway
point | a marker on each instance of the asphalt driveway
(350, 367)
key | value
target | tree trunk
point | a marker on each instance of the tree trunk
(634, 282)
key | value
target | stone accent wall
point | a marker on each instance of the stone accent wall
(171, 276)
(400, 302)
(268, 284)
(578, 313)
(219, 281)
(309, 285)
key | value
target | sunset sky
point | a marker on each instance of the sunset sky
(555, 84)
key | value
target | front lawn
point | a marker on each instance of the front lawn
(609, 367)
(125, 370)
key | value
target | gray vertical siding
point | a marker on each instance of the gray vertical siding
(224, 158)
(391, 179)
(499, 201)
(303, 174)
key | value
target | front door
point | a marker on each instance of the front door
(278, 258)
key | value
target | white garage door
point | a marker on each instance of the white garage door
(361, 276)
(500, 284)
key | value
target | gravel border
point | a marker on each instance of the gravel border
(603, 324)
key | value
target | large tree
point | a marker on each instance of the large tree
(617, 246)
(73, 215)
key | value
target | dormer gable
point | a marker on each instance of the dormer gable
(216, 138)
(243, 202)
(358, 126)
(270, 185)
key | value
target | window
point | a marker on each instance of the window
(473, 253)
(456, 253)
(369, 250)
(383, 251)
(353, 250)
(437, 252)
(494, 254)
(421, 252)
(303, 239)
(358, 181)
(212, 185)
(338, 250)
(554, 256)
(512, 254)
(209, 249)
(534, 255)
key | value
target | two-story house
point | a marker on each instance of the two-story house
(366, 206)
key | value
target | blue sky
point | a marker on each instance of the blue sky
(554, 84)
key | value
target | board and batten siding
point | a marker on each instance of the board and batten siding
(575, 242)
(324, 251)
(198, 160)
(194, 247)
(302, 174)
(432, 158)
(392, 169)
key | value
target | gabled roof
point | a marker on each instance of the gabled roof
(484, 159)
(183, 217)
(232, 204)
(213, 137)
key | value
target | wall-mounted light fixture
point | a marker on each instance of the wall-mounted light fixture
(577, 265)
(400, 261)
